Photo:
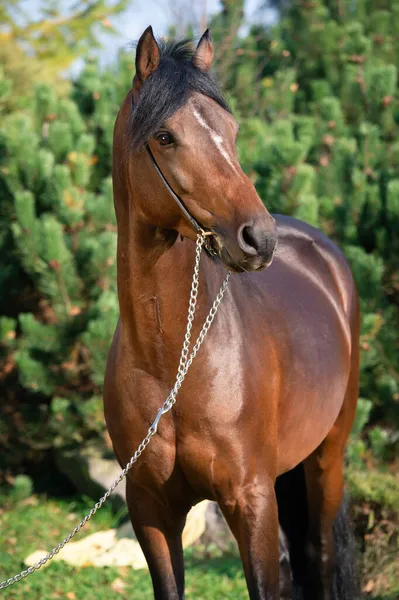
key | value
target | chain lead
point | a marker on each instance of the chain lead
(186, 360)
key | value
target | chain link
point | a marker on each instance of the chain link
(185, 363)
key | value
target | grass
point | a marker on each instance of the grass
(40, 522)
(374, 493)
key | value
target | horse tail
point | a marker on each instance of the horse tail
(346, 585)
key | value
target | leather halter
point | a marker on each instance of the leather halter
(175, 197)
(197, 227)
(208, 247)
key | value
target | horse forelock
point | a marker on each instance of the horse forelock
(167, 89)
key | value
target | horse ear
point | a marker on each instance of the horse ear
(147, 57)
(204, 53)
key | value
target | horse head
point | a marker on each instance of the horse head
(179, 114)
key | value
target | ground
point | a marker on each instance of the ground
(41, 522)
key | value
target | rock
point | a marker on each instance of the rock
(92, 470)
(217, 531)
(99, 549)
(119, 547)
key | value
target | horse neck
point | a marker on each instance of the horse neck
(155, 267)
(155, 271)
(144, 270)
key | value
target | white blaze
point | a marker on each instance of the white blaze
(216, 138)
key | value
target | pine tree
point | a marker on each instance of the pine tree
(225, 26)
(41, 44)
(319, 138)
(58, 301)
(317, 102)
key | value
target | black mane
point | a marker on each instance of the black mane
(166, 90)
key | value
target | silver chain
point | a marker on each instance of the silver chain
(186, 360)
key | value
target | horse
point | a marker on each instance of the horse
(264, 414)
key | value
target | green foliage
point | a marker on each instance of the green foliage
(73, 421)
(7, 330)
(58, 301)
(225, 26)
(319, 123)
(374, 486)
(316, 98)
(43, 43)
(22, 488)
(362, 416)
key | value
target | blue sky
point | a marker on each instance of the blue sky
(160, 14)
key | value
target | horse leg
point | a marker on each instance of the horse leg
(251, 514)
(309, 498)
(324, 483)
(293, 518)
(158, 527)
(285, 566)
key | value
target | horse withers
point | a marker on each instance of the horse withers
(262, 419)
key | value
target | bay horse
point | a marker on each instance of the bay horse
(262, 419)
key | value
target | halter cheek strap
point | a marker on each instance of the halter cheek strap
(197, 227)
(175, 197)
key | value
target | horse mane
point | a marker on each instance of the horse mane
(167, 89)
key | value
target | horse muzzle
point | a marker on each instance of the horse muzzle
(254, 246)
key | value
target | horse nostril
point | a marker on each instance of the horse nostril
(247, 239)
(247, 234)
(258, 237)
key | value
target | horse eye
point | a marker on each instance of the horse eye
(164, 139)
